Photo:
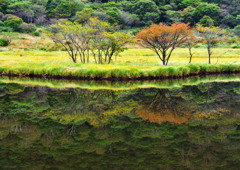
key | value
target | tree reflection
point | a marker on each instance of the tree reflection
(166, 107)
(44, 128)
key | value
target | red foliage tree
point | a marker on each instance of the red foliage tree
(163, 39)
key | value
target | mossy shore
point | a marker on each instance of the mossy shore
(112, 73)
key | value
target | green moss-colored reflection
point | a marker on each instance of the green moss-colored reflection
(187, 127)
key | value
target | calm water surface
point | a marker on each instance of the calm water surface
(192, 127)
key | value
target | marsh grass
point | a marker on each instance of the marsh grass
(134, 63)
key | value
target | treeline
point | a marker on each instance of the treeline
(100, 40)
(128, 14)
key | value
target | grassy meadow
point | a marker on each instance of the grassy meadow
(25, 57)
(133, 63)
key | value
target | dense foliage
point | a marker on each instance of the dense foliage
(127, 13)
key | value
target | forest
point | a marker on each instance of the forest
(127, 14)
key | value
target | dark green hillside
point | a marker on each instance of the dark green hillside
(128, 14)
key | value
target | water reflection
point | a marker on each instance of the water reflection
(193, 127)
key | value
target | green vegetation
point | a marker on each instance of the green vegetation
(81, 40)
(130, 15)
(13, 22)
(71, 95)
(101, 31)
(119, 72)
(134, 63)
(126, 12)
(74, 128)
(4, 42)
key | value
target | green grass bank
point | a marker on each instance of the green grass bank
(132, 64)
(119, 73)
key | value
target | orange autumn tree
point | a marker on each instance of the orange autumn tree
(163, 39)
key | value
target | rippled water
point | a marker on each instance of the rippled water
(189, 127)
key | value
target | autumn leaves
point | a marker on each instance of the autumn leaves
(163, 39)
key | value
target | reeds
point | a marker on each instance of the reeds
(55, 71)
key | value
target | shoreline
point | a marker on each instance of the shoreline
(168, 72)
(120, 85)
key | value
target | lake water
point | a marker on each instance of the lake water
(187, 127)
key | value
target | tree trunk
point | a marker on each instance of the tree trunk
(164, 62)
(191, 55)
(74, 59)
(209, 54)
(164, 58)
(87, 56)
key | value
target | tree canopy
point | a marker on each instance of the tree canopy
(163, 39)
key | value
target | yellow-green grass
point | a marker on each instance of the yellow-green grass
(120, 85)
(133, 63)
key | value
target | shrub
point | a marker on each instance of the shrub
(27, 28)
(43, 48)
(41, 20)
(50, 47)
(4, 18)
(2, 24)
(36, 33)
(235, 46)
(14, 22)
(4, 42)
(5, 29)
